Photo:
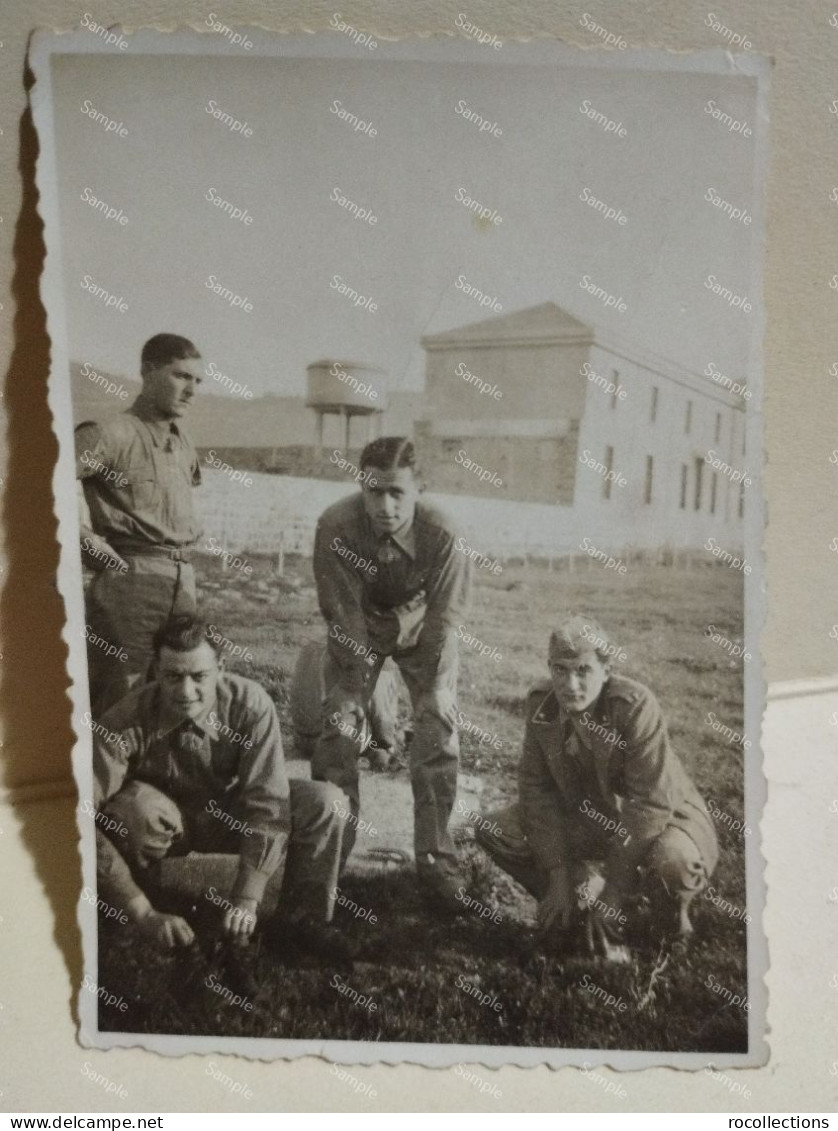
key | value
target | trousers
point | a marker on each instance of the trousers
(157, 827)
(434, 752)
(125, 610)
(308, 691)
(673, 861)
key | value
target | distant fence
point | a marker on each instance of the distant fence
(278, 513)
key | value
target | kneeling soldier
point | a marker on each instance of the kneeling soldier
(598, 781)
(194, 761)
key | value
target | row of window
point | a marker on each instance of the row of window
(698, 488)
(699, 493)
(653, 410)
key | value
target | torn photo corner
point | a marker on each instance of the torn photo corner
(409, 491)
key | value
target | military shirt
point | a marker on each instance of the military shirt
(408, 589)
(617, 756)
(138, 472)
(240, 769)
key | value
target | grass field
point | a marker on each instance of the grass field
(408, 963)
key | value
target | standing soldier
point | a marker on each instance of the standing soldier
(391, 583)
(138, 521)
(598, 781)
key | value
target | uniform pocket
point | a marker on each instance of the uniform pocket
(143, 488)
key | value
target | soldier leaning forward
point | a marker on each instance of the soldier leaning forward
(391, 583)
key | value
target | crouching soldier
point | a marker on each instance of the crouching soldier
(598, 782)
(193, 761)
(390, 582)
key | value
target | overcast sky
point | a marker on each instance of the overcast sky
(408, 175)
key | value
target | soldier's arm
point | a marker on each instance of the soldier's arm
(543, 822)
(340, 593)
(448, 603)
(111, 761)
(115, 883)
(264, 799)
(97, 552)
(85, 521)
(541, 811)
(111, 758)
(648, 792)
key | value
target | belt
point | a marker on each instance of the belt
(150, 549)
(409, 606)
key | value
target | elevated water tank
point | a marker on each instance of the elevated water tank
(347, 389)
(338, 386)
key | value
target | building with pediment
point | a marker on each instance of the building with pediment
(562, 413)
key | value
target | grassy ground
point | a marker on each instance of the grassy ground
(413, 966)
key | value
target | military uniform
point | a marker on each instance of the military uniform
(138, 473)
(399, 595)
(179, 787)
(613, 763)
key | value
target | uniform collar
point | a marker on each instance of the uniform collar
(163, 725)
(405, 538)
(160, 427)
(549, 710)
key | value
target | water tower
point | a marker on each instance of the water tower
(346, 389)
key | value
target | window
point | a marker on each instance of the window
(650, 470)
(699, 469)
(718, 427)
(685, 474)
(713, 485)
(609, 464)
(688, 420)
(653, 415)
(615, 377)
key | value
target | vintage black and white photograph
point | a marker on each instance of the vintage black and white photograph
(409, 494)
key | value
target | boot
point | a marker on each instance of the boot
(439, 881)
(303, 940)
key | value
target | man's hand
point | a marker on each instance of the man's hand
(603, 927)
(240, 920)
(343, 705)
(100, 555)
(556, 908)
(440, 702)
(167, 931)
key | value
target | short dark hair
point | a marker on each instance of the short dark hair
(388, 453)
(183, 633)
(164, 348)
